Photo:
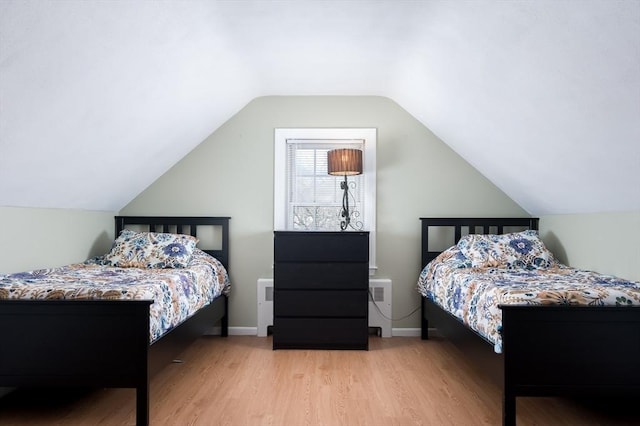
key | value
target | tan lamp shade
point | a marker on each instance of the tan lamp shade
(344, 162)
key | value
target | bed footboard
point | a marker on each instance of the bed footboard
(569, 351)
(89, 343)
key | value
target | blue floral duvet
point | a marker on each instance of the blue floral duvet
(177, 292)
(473, 293)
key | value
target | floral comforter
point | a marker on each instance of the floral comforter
(177, 293)
(473, 294)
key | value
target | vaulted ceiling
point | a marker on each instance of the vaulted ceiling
(99, 98)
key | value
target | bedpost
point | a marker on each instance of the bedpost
(224, 321)
(424, 242)
(508, 406)
(423, 317)
(508, 391)
(143, 370)
(142, 404)
(119, 220)
(424, 323)
(535, 223)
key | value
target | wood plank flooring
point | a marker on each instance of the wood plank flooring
(240, 380)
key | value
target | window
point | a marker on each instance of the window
(314, 199)
(307, 198)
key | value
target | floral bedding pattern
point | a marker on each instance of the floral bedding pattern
(177, 293)
(150, 250)
(515, 250)
(473, 294)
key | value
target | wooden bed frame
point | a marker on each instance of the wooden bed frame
(547, 350)
(102, 343)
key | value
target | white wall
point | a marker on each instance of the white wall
(231, 174)
(608, 243)
(45, 238)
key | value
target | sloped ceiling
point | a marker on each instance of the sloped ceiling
(99, 98)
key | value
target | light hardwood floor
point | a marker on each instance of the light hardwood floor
(240, 380)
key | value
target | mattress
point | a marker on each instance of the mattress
(177, 293)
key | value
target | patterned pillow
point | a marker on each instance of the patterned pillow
(516, 250)
(150, 250)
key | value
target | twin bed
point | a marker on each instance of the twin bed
(116, 319)
(542, 328)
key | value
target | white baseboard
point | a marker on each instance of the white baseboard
(406, 332)
(243, 331)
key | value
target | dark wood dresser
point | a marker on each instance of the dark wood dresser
(321, 285)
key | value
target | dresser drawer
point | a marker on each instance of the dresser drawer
(320, 333)
(321, 303)
(321, 275)
(321, 246)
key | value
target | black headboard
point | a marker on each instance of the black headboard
(484, 225)
(182, 225)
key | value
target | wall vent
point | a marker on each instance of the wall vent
(377, 294)
(379, 305)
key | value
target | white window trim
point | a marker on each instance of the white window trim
(369, 135)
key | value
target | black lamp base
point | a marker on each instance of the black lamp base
(346, 219)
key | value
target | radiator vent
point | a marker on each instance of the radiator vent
(268, 293)
(379, 305)
(377, 293)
